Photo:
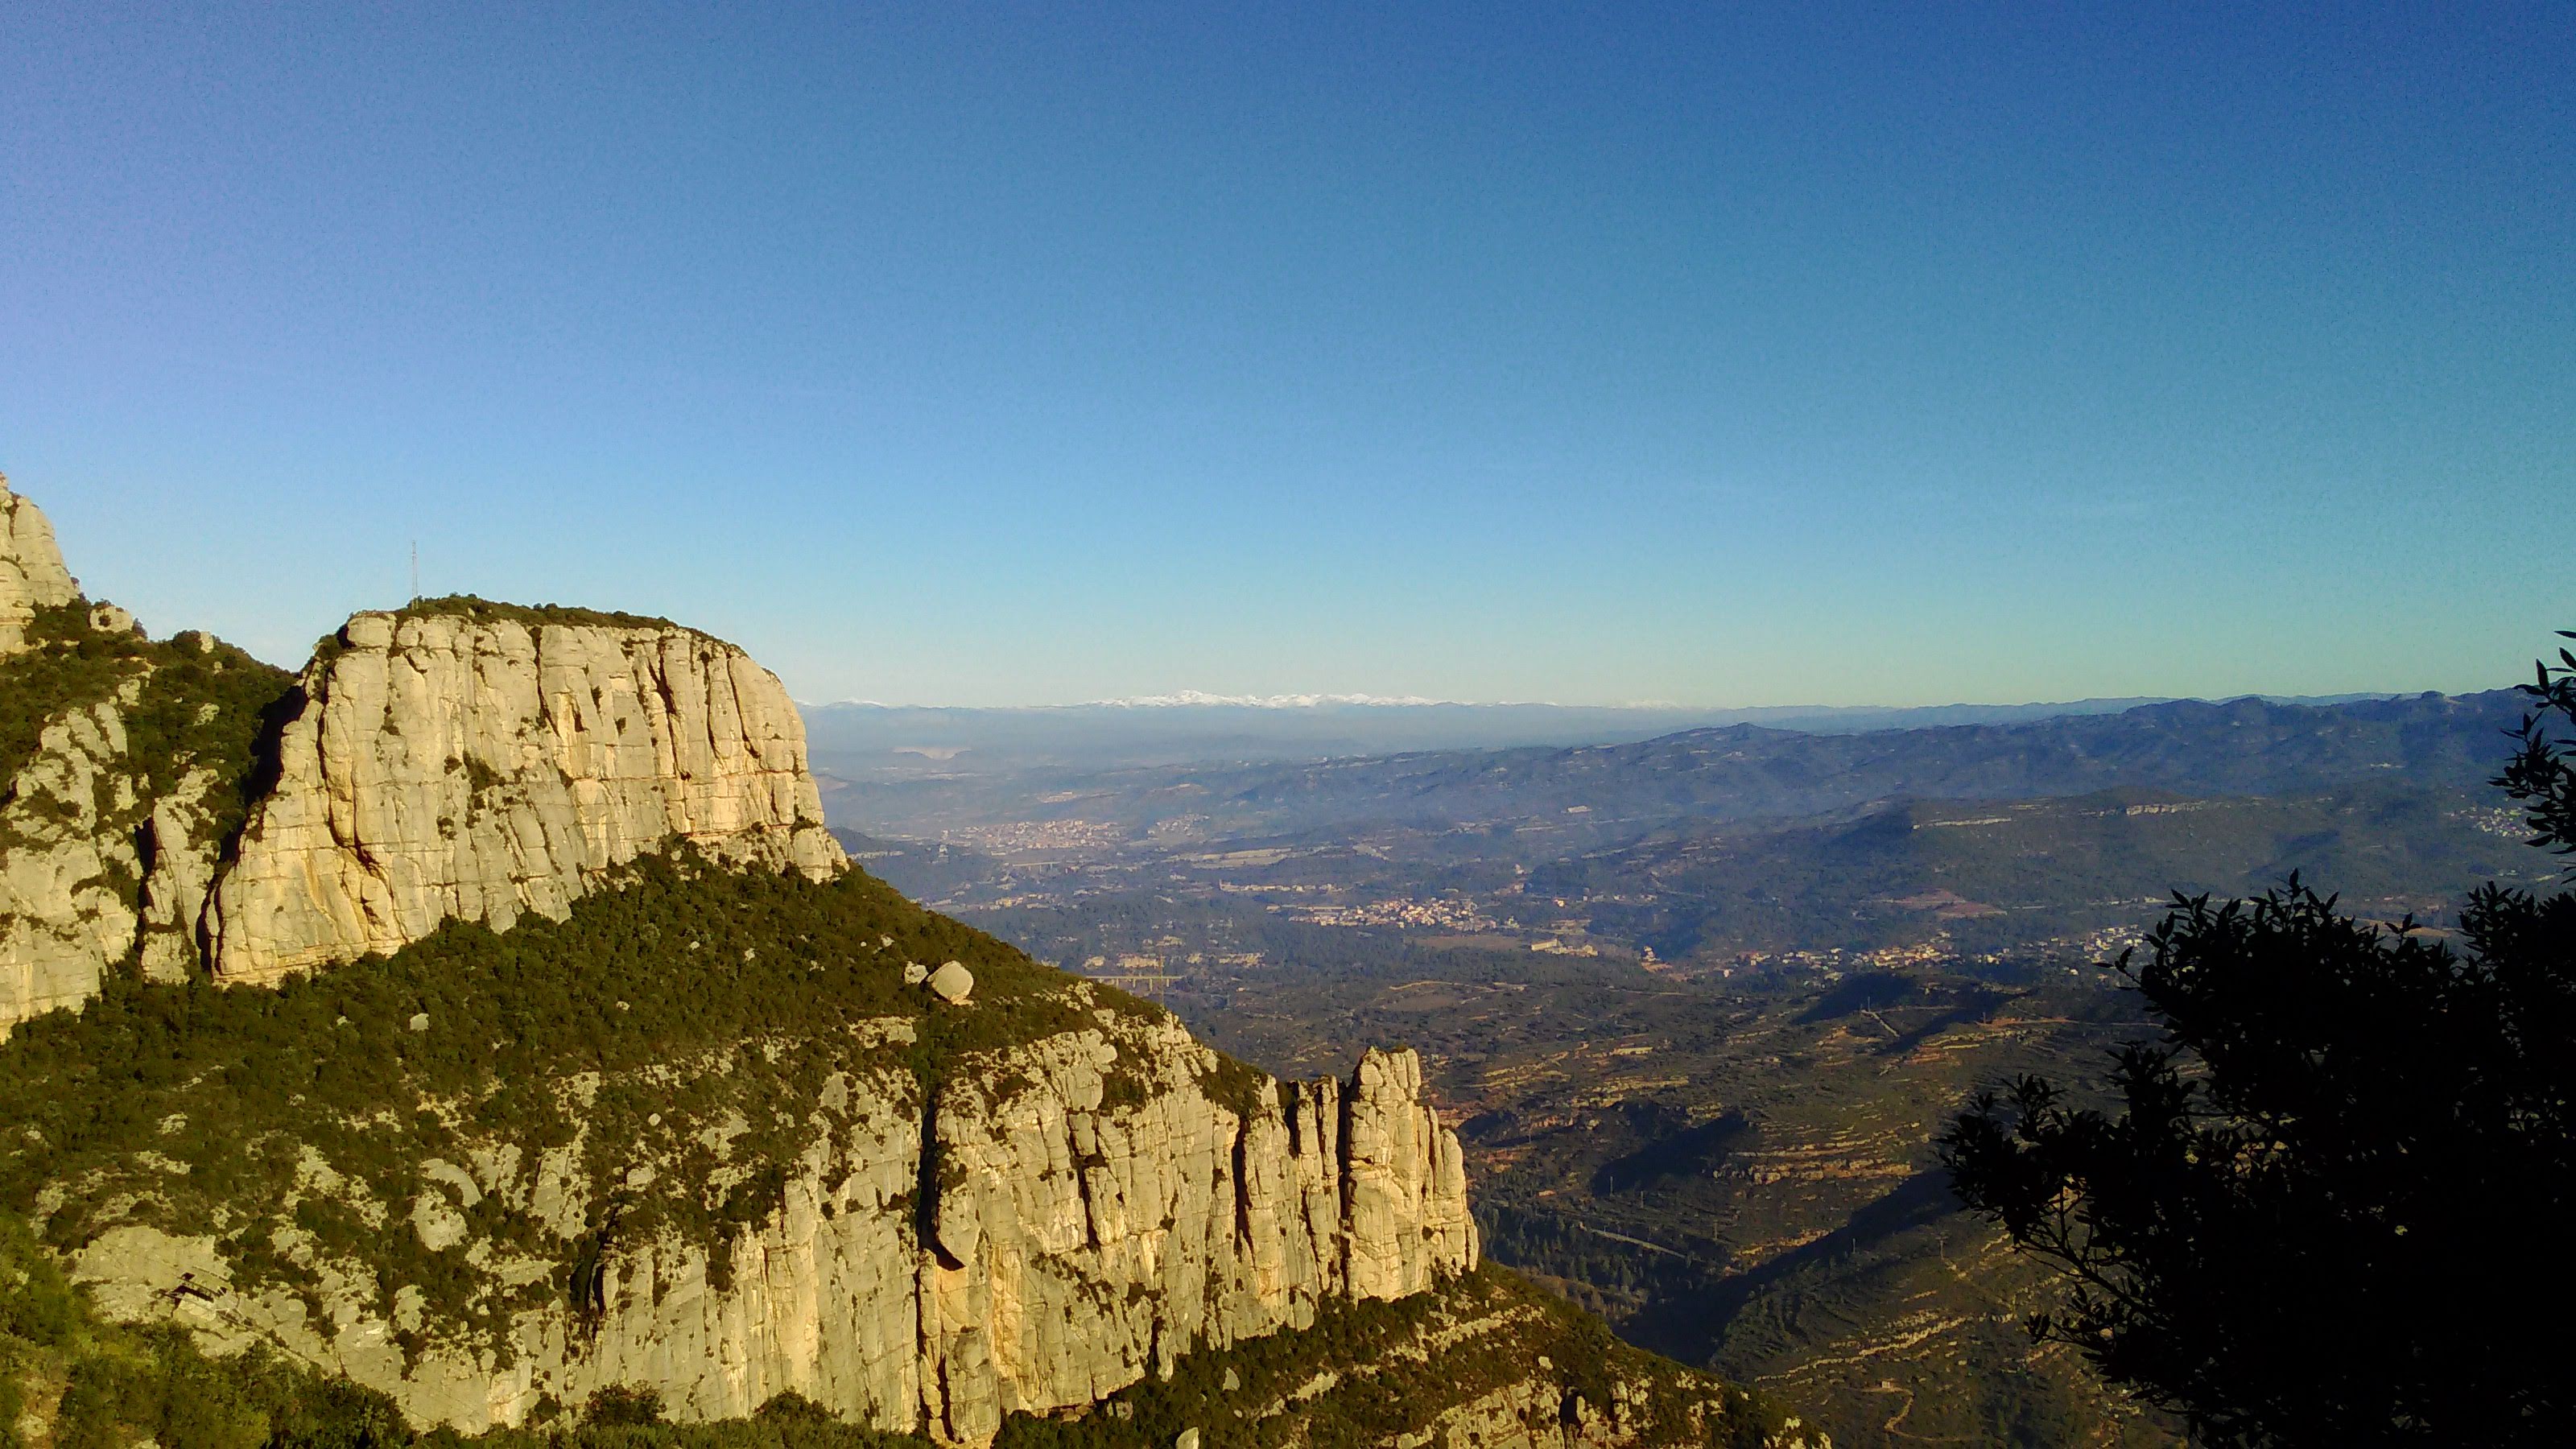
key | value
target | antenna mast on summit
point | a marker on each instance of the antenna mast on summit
(415, 571)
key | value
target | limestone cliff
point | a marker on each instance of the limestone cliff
(478, 764)
(69, 872)
(1053, 1222)
(32, 575)
(119, 759)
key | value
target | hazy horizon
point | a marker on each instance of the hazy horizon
(1196, 699)
(281, 648)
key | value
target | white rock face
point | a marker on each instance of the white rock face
(952, 982)
(1407, 1172)
(1060, 1219)
(32, 575)
(67, 863)
(448, 768)
(180, 832)
(90, 869)
(1076, 1239)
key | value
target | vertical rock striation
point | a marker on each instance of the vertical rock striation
(68, 863)
(1051, 1223)
(32, 575)
(1072, 1249)
(453, 766)
(1406, 1173)
(106, 845)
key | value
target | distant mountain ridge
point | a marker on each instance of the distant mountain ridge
(854, 738)
(2241, 747)
(1612, 793)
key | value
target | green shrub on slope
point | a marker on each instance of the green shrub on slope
(199, 708)
(687, 994)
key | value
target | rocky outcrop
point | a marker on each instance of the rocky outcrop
(180, 849)
(94, 869)
(1237, 1219)
(448, 766)
(1051, 1223)
(32, 575)
(470, 762)
(1541, 1412)
(68, 863)
(1407, 1173)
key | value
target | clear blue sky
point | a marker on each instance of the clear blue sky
(979, 354)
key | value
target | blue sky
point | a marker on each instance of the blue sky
(997, 354)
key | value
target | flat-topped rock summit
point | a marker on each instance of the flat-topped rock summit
(465, 761)
(452, 760)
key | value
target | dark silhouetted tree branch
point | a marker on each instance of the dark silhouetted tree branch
(2330, 1206)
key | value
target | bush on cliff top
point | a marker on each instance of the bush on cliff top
(198, 708)
(493, 611)
(478, 610)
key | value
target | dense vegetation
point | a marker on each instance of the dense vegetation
(492, 611)
(202, 704)
(2328, 1206)
(695, 993)
(95, 1385)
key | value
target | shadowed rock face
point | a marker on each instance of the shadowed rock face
(32, 575)
(445, 767)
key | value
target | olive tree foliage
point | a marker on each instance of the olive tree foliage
(2332, 1204)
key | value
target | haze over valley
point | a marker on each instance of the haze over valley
(1699, 1002)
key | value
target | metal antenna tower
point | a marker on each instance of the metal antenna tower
(415, 571)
